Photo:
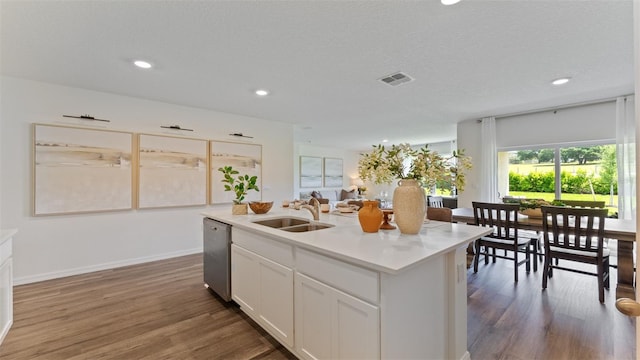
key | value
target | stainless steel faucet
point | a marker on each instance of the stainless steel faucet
(315, 208)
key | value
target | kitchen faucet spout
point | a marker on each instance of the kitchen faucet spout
(314, 209)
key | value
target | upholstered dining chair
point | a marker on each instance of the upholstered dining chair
(440, 214)
(575, 234)
(436, 201)
(503, 218)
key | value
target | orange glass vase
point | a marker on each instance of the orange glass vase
(370, 216)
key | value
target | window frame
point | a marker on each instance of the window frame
(556, 162)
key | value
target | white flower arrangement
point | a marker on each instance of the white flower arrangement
(383, 165)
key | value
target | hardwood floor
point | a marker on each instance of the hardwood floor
(161, 310)
(566, 321)
(158, 310)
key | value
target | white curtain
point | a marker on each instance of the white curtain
(489, 161)
(626, 157)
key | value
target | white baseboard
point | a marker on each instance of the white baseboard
(5, 330)
(105, 266)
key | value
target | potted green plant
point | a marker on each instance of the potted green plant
(531, 207)
(240, 185)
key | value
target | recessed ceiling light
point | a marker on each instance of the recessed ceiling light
(449, 2)
(142, 64)
(385, 140)
(262, 92)
(561, 81)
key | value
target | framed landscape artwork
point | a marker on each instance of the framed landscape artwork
(332, 172)
(81, 170)
(246, 158)
(172, 171)
(310, 172)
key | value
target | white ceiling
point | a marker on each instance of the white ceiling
(321, 59)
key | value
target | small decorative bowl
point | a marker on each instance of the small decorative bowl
(260, 207)
(345, 210)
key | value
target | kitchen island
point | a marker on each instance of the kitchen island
(341, 293)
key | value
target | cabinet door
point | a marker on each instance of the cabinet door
(333, 325)
(245, 284)
(276, 300)
(356, 328)
(313, 318)
(6, 298)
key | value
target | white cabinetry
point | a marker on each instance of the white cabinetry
(353, 294)
(261, 286)
(6, 283)
(244, 279)
(333, 325)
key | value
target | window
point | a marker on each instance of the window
(570, 172)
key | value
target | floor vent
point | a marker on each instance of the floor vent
(396, 79)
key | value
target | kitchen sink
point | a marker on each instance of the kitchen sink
(292, 224)
(282, 222)
(306, 227)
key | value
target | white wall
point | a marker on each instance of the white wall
(2, 121)
(469, 140)
(53, 246)
(349, 165)
(571, 125)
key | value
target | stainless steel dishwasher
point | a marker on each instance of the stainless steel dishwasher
(217, 257)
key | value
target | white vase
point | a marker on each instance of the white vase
(409, 206)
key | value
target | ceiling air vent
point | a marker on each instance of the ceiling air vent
(396, 79)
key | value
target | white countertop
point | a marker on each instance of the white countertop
(387, 250)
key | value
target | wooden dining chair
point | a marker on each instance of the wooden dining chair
(535, 236)
(575, 234)
(436, 201)
(503, 218)
(440, 214)
(582, 203)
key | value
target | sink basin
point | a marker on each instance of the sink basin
(306, 227)
(292, 224)
(281, 222)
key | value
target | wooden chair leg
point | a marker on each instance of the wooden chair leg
(475, 258)
(515, 265)
(607, 273)
(539, 248)
(545, 271)
(601, 282)
(535, 255)
(539, 245)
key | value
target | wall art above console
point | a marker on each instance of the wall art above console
(81, 170)
(172, 171)
(85, 170)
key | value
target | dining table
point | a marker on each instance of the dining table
(622, 230)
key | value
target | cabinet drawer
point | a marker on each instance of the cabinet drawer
(5, 251)
(349, 278)
(271, 249)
